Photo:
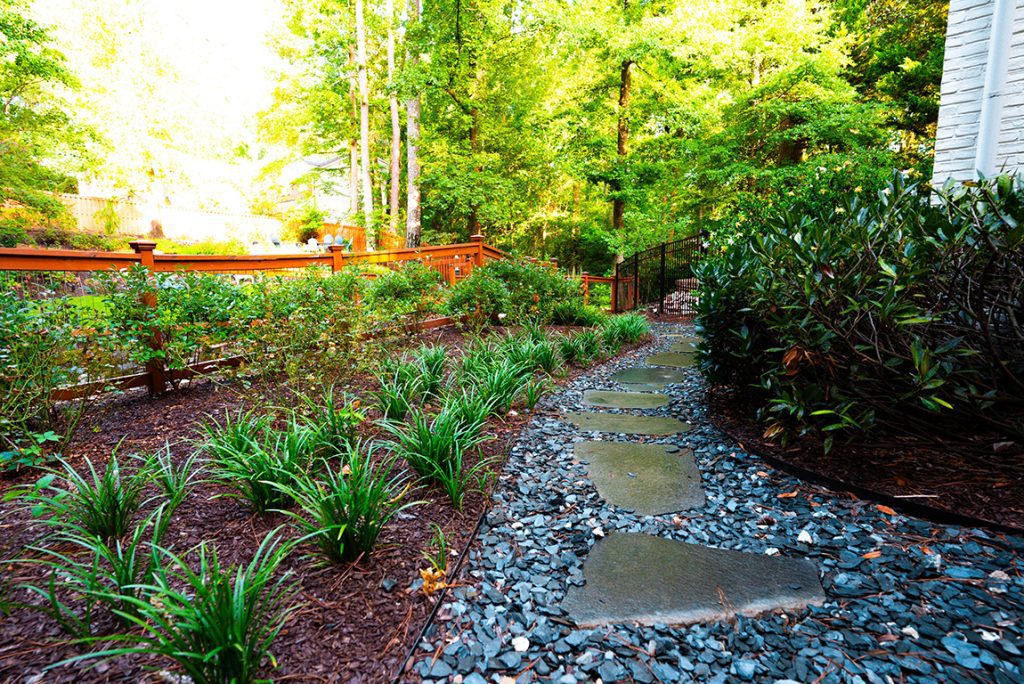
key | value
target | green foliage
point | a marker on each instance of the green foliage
(859, 317)
(101, 504)
(438, 556)
(393, 399)
(259, 464)
(87, 572)
(411, 288)
(481, 297)
(334, 420)
(430, 363)
(343, 510)
(435, 447)
(217, 623)
(628, 328)
(581, 347)
(575, 312)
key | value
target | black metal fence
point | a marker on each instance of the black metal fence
(660, 279)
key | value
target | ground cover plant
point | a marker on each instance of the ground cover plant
(887, 313)
(273, 489)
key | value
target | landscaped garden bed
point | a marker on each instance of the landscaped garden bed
(337, 488)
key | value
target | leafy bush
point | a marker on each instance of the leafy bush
(12, 233)
(481, 297)
(534, 289)
(575, 312)
(217, 623)
(885, 311)
(344, 510)
(410, 288)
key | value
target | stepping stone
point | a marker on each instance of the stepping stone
(684, 347)
(624, 400)
(627, 424)
(644, 478)
(683, 343)
(674, 359)
(647, 378)
(637, 578)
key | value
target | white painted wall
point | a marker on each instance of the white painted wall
(967, 57)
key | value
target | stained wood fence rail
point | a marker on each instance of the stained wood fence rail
(453, 262)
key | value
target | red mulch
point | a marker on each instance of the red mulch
(348, 629)
(954, 478)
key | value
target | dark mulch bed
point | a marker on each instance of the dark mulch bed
(954, 478)
(349, 627)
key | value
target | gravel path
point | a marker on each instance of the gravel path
(906, 600)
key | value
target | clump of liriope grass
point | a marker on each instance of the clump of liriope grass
(216, 622)
(344, 508)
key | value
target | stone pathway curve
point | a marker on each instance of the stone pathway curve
(654, 550)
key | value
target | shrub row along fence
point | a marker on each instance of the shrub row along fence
(661, 278)
(37, 275)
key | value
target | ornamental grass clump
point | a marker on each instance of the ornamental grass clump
(393, 397)
(627, 328)
(470, 406)
(216, 622)
(333, 418)
(343, 509)
(86, 572)
(430, 361)
(501, 384)
(435, 447)
(99, 503)
(258, 470)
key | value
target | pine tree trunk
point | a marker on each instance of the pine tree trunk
(622, 144)
(474, 145)
(412, 139)
(353, 143)
(364, 127)
(396, 125)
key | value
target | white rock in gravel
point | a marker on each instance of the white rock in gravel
(988, 636)
(772, 551)
(999, 575)
(805, 537)
(911, 632)
(521, 644)
(598, 532)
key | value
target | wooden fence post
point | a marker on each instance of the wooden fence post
(585, 277)
(615, 289)
(478, 256)
(156, 372)
(337, 257)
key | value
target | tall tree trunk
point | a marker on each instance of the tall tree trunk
(622, 146)
(396, 125)
(364, 127)
(353, 142)
(412, 140)
(474, 146)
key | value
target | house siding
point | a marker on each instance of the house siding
(963, 80)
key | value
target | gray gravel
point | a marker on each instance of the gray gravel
(940, 603)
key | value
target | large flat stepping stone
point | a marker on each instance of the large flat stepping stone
(649, 479)
(637, 578)
(627, 424)
(624, 400)
(684, 347)
(647, 378)
(674, 359)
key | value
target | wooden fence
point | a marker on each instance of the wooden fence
(453, 262)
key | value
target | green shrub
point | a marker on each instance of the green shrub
(12, 233)
(344, 509)
(481, 297)
(575, 312)
(411, 288)
(885, 311)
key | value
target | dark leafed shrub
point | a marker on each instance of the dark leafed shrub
(887, 311)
